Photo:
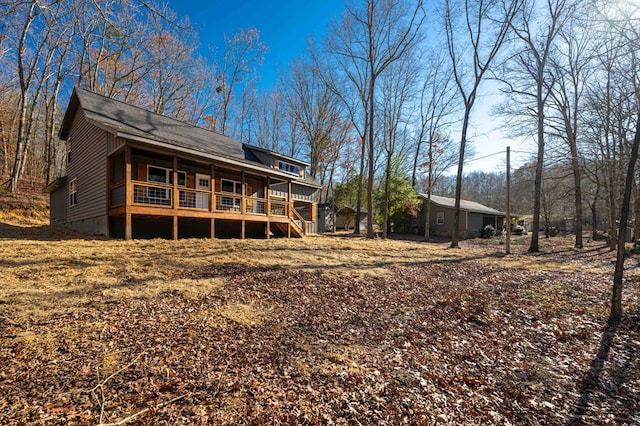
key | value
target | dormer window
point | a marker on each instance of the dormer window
(289, 168)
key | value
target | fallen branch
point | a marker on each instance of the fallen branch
(141, 412)
(100, 385)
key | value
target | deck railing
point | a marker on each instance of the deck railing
(256, 205)
(195, 199)
(228, 202)
(156, 195)
(278, 208)
(298, 220)
(161, 195)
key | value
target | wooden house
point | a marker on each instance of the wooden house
(132, 173)
(473, 217)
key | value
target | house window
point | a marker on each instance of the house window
(289, 168)
(164, 175)
(182, 178)
(440, 218)
(203, 182)
(231, 187)
(158, 174)
(73, 190)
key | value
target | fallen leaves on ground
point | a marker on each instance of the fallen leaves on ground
(476, 338)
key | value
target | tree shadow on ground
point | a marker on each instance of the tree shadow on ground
(619, 371)
(43, 233)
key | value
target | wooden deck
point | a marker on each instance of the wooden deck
(162, 200)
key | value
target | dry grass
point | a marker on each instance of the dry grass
(47, 270)
(311, 324)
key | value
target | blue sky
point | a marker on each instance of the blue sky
(285, 25)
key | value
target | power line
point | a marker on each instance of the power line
(486, 156)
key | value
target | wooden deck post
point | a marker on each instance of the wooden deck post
(289, 210)
(128, 193)
(267, 206)
(243, 194)
(175, 202)
(289, 213)
(243, 204)
(266, 195)
(212, 201)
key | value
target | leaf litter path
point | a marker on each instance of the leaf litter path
(318, 331)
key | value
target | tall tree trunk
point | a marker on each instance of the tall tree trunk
(636, 211)
(578, 194)
(594, 214)
(363, 147)
(463, 142)
(616, 294)
(427, 215)
(18, 160)
(385, 224)
(534, 247)
(611, 211)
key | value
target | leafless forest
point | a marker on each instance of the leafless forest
(343, 329)
(373, 119)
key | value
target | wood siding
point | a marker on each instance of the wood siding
(304, 193)
(113, 143)
(58, 205)
(88, 145)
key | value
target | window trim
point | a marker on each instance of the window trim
(73, 192)
(285, 166)
(168, 176)
(237, 185)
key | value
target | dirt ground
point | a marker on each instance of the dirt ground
(320, 330)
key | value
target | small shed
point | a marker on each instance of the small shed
(345, 218)
(473, 217)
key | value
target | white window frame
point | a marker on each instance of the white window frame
(237, 191)
(168, 175)
(440, 218)
(284, 166)
(73, 192)
(237, 186)
(199, 179)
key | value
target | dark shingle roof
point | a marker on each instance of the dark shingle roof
(135, 121)
(467, 205)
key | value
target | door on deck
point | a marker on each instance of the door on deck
(203, 183)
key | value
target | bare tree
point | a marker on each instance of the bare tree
(536, 26)
(32, 64)
(243, 52)
(437, 107)
(569, 69)
(475, 35)
(369, 40)
(397, 84)
(442, 154)
(626, 25)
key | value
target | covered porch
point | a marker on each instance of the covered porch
(154, 194)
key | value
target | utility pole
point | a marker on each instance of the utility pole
(508, 219)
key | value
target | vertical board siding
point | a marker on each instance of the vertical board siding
(304, 193)
(88, 165)
(279, 190)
